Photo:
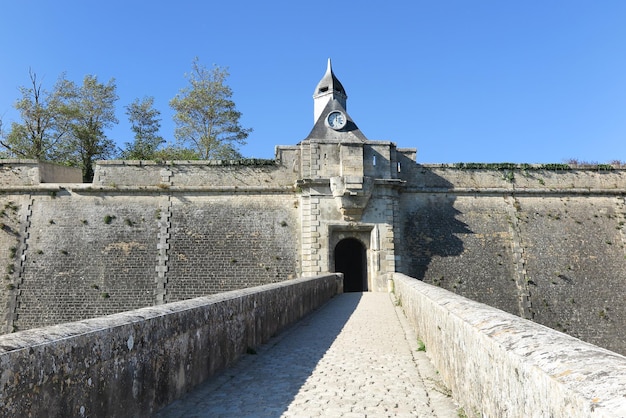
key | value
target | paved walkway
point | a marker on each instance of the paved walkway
(354, 357)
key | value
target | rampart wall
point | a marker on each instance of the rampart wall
(32, 172)
(546, 245)
(215, 174)
(76, 251)
(134, 363)
(498, 365)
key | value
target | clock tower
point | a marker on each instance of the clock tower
(328, 88)
(349, 188)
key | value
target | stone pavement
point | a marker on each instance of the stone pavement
(354, 357)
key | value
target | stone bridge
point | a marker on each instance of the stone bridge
(481, 361)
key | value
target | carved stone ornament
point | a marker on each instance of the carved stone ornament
(352, 195)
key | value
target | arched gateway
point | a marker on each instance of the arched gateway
(351, 260)
(349, 190)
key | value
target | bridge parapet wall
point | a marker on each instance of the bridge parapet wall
(136, 362)
(500, 365)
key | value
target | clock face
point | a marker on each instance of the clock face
(336, 120)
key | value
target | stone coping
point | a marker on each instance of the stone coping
(501, 365)
(134, 363)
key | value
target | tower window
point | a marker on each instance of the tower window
(374, 160)
(323, 89)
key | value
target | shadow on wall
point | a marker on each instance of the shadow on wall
(430, 225)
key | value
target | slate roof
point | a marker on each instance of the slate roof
(329, 83)
(349, 133)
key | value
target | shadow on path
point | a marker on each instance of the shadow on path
(265, 384)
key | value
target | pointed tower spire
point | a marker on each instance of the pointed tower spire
(327, 89)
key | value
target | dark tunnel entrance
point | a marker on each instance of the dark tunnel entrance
(351, 260)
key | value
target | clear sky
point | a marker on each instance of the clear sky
(461, 81)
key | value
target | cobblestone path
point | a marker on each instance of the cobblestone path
(354, 357)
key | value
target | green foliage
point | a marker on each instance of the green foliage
(206, 118)
(65, 125)
(108, 219)
(92, 110)
(604, 167)
(555, 167)
(145, 123)
(487, 166)
(172, 152)
(509, 176)
(513, 166)
(550, 166)
(44, 129)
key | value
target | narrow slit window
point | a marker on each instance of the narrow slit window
(374, 161)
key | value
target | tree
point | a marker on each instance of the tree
(44, 126)
(206, 118)
(91, 109)
(145, 123)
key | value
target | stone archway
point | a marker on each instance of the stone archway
(351, 260)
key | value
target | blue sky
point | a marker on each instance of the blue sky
(460, 80)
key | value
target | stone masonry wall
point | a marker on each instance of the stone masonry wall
(81, 252)
(133, 363)
(553, 252)
(524, 178)
(19, 172)
(576, 267)
(87, 256)
(230, 242)
(499, 365)
(461, 243)
(547, 245)
(14, 209)
(240, 173)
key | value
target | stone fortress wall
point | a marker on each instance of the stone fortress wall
(75, 251)
(547, 245)
(544, 244)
